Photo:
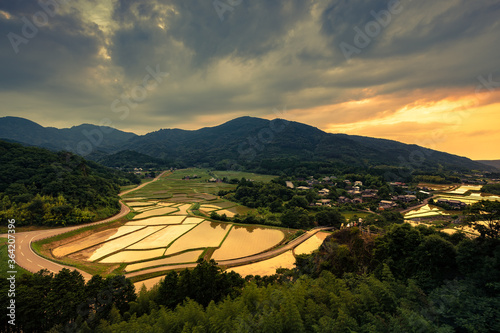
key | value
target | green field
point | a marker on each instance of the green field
(350, 214)
(4, 258)
(173, 184)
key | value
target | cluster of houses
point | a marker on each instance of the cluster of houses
(454, 204)
(357, 195)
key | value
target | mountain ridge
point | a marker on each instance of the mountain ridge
(251, 142)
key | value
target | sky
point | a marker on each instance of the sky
(423, 72)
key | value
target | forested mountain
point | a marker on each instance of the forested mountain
(493, 163)
(278, 144)
(38, 186)
(27, 132)
(131, 159)
(249, 143)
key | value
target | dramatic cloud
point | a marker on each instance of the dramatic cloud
(391, 69)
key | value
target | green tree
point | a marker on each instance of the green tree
(484, 216)
(296, 217)
(330, 218)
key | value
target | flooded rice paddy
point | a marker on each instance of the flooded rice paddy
(464, 188)
(162, 238)
(149, 283)
(98, 237)
(312, 243)
(206, 234)
(186, 257)
(425, 211)
(122, 242)
(155, 212)
(183, 209)
(226, 211)
(159, 220)
(266, 267)
(131, 256)
(246, 241)
(469, 199)
(139, 203)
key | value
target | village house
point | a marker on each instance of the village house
(357, 201)
(405, 198)
(289, 184)
(369, 193)
(324, 192)
(386, 204)
(304, 188)
(343, 200)
(455, 204)
(358, 183)
(323, 202)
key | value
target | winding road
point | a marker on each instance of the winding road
(29, 260)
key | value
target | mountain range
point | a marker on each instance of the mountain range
(250, 142)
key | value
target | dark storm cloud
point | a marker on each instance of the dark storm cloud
(435, 27)
(51, 54)
(249, 31)
(262, 55)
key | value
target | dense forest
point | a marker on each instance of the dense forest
(402, 279)
(38, 186)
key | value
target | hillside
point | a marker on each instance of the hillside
(38, 186)
(247, 143)
(493, 163)
(276, 145)
(128, 159)
(75, 139)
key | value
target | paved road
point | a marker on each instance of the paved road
(239, 261)
(29, 260)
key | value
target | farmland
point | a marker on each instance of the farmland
(170, 226)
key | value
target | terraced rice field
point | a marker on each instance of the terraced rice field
(164, 233)
(246, 241)
(162, 238)
(96, 238)
(425, 211)
(470, 199)
(159, 220)
(266, 267)
(139, 204)
(143, 209)
(155, 212)
(185, 257)
(131, 256)
(464, 188)
(225, 211)
(149, 283)
(183, 209)
(311, 244)
(206, 234)
(195, 220)
(122, 242)
(222, 204)
(209, 207)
